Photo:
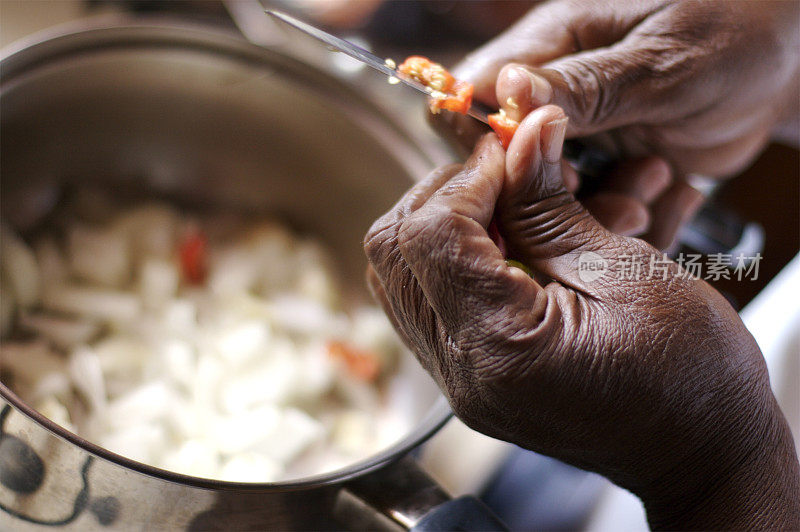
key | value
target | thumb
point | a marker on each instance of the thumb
(549, 31)
(543, 225)
(599, 89)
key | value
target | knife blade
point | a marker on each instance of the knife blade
(384, 66)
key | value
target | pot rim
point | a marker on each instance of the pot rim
(57, 43)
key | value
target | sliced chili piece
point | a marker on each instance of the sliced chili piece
(452, 95)
(504, 126)
(459, 102)
(360, 363)
(192, 253)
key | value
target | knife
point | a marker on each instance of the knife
(588, 161)
(384, 66)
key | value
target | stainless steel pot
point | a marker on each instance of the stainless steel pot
(208, 119)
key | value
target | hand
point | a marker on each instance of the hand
(699, 84)
(652, 382)
(639, 197)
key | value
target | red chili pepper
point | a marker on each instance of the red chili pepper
(457, 94)
(504, 127)
(459, 102)
(192, 252)
(428, 73)
(361, 363)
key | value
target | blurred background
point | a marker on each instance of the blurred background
(526, 490)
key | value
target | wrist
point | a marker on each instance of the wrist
(751, 481)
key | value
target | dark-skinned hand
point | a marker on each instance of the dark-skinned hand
(652, 381)
(698, 84)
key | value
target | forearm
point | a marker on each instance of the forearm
(760, 490)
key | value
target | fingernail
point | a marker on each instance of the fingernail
(541, 91)
(553, 139)
(486, 142)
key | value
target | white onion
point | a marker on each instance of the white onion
(159, 280)
(94, 303)
(232, 379)
(19, 268)
(7, 307)
(251, 467)
(151, 229)
(31, 361)
(86, 373)
(61, 332)
(53, 268)
(99, 256)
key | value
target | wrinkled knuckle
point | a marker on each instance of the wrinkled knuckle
(587, 92)
(485, 335)
(378, 238)
(555, 227)
(501, 352)
(424, 230)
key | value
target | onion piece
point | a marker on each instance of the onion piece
(99, 256)
(87, 375)
(31, 361)
(94, 303)
(62, 333)
(19, 267)
(251, 467)
(7, 307)
(158, 281)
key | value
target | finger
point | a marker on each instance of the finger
(670, 212)
(380, 242)
(518, 91)
(419, 193)
(385, 227)
(544, 226)
(572, 182)
(642, 179)
(619, 213)
(621, 204)
(461, 271)
(408, 309)
(540, 36)
(533, 172)
(379, 295)
(411, 310)
(609, 87)
(547, 32)
(582, 84)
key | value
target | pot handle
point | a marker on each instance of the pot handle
(461, 514)
(402, 496)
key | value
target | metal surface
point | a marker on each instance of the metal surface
(337, 44)
(411, 496)
(209, 121)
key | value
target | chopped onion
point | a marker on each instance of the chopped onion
(19, 268)
(63, 333)
(99, 256)
(232, 379)
(94, 303)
